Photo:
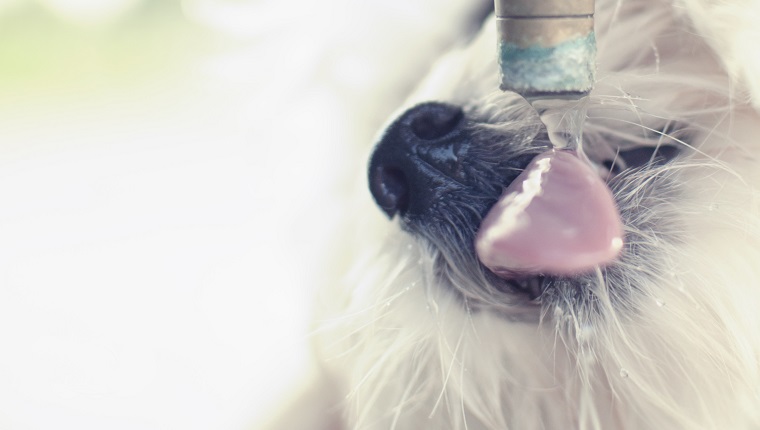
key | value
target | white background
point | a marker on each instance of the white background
(173, 176)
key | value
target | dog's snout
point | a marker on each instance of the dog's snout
(424, 138)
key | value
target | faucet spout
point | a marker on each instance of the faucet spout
(546, 48)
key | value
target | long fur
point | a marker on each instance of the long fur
(668, 338)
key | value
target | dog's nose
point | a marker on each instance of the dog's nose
(432, 121)
(427, 136)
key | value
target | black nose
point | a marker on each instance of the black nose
(427, 136)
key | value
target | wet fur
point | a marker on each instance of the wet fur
(418, 335)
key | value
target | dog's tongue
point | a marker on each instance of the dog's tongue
(557, 218)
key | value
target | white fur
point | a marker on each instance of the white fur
(681, 351)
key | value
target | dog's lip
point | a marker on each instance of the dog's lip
(557, 218)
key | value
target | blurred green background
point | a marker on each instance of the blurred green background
(53, 48)
(174, 177)
(151, 182)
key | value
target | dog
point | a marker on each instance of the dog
(420, 334)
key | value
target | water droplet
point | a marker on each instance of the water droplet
(659, 302)
(623, 373)
(588, 358)
(558, 312)
(586, 332)
(419, 262)
(713, 207)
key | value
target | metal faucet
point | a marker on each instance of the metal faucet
(546, 48)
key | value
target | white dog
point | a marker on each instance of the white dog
(422, 336)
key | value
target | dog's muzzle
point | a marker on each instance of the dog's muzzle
(443, 173)
(435, 163)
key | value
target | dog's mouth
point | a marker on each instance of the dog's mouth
(557, 217)
(461, 184)
(531, 286)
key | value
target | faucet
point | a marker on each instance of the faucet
(546, 48)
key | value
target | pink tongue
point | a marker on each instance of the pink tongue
(557, 218)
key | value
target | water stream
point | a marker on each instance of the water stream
(564, 120)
